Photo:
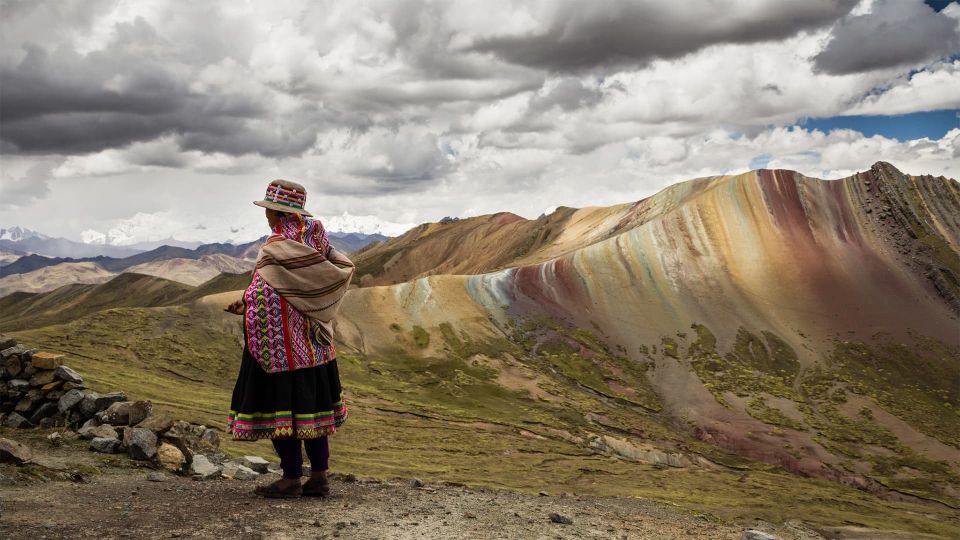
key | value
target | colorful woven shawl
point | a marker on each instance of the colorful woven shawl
(297, 287)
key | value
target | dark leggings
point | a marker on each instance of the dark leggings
(291, 460)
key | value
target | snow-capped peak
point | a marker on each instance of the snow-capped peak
(16, 234)
(363, 224)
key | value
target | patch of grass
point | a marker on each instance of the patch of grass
(759, 409)
(670, 347)
(745, 371)
(420, 337)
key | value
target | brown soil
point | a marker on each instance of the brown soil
(129, 506)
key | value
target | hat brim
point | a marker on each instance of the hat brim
(282, 208)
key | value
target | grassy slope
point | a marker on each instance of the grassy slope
(70, 302)
(449, 419)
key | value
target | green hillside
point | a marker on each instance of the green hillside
(20, 310)
(520, 413)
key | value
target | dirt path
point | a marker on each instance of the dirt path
(127, 505)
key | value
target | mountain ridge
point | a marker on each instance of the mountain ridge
(730, 323)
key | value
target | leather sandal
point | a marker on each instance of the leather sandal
(274, 491)
(316, 488)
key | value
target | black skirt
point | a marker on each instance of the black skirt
(304, 403)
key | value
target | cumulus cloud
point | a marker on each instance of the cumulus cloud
(34, 184)
(411, 111)
(928, 90)
(575, 35)
(894, 33)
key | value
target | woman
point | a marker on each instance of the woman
(288, 389)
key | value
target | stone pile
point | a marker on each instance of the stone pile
(37, 390)
(34, 386)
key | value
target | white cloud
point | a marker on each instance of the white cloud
(411, 111)
(929, 90)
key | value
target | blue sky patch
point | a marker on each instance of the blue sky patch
(759, 162)
(902, 127)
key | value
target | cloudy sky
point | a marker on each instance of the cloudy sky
(130, 121)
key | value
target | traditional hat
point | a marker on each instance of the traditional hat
(285, 196)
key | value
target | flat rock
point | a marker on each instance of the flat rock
(156, 476)
(70, 400)
(9, 352)
(561, 519)
(18, 385)
(46, 360)
(66, 374)
(141, 443)
(14, 452)
(246, 473)
(105, 445)
(42, 378)
(102, 431)
(201, 468)
(255, 463)
(170, 457)
(753, 534)
(50, 387)
(157, 423)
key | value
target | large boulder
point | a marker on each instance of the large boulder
(141, 443)
(170, 457)
(105, 445)
(14, 452)
(47, 360)
(70, 400)
(125, 413)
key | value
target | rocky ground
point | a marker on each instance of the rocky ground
(66, 491)
(128, 505)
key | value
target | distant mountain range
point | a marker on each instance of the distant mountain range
(19, 241)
